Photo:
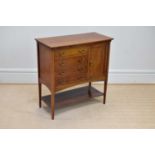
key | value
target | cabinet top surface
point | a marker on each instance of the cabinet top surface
(76, 39)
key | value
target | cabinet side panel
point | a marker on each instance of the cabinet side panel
(97, 60)
(45, 64)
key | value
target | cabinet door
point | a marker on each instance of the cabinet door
(97, 61)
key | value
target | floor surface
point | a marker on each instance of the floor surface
(128, 106)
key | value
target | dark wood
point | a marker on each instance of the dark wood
(52, 105)
(71, 60)
(39, 83)
(71, 97)
(105, 91)
(52, 85)
(89, 90)
(106, 72)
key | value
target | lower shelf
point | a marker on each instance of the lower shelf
(71, 97)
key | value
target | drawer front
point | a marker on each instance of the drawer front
(71, 64)
(71, 51)
(69, 70)
(74, 72)
(62, 80)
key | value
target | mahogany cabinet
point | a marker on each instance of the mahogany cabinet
(66, 61)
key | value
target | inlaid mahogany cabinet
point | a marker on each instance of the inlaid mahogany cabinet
(65, 61)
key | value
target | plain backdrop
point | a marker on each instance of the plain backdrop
(132, 51)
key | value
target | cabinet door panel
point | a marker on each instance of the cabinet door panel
(97, 61)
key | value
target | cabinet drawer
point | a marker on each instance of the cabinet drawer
(71, 51)
(73, 72)
(62, 80)
(71, 63)
(69, 70)
(71, 66)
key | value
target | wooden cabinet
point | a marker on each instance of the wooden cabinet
(70, 60)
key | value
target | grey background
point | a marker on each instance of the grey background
(133, 48)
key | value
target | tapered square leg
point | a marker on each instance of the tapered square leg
(89, 90)
(39, 91)
(105, 91)
(52, 106)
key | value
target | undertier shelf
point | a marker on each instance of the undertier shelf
(72, 97)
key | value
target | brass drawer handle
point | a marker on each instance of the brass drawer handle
(62, 73)
(61, 53)
(80, 60)
(61, 63)
(82, 51)
(90, 63)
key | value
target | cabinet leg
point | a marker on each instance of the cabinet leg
(39, 91)
(52, 105)
(89, 90)
(105, 91)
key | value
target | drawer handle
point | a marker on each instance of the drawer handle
(61, 63)
(90, 63)
(80, 60)
(61, 53)
(82, 51)
(62, 73)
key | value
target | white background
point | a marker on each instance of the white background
(131, 61)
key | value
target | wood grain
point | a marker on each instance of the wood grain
(69, 40)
